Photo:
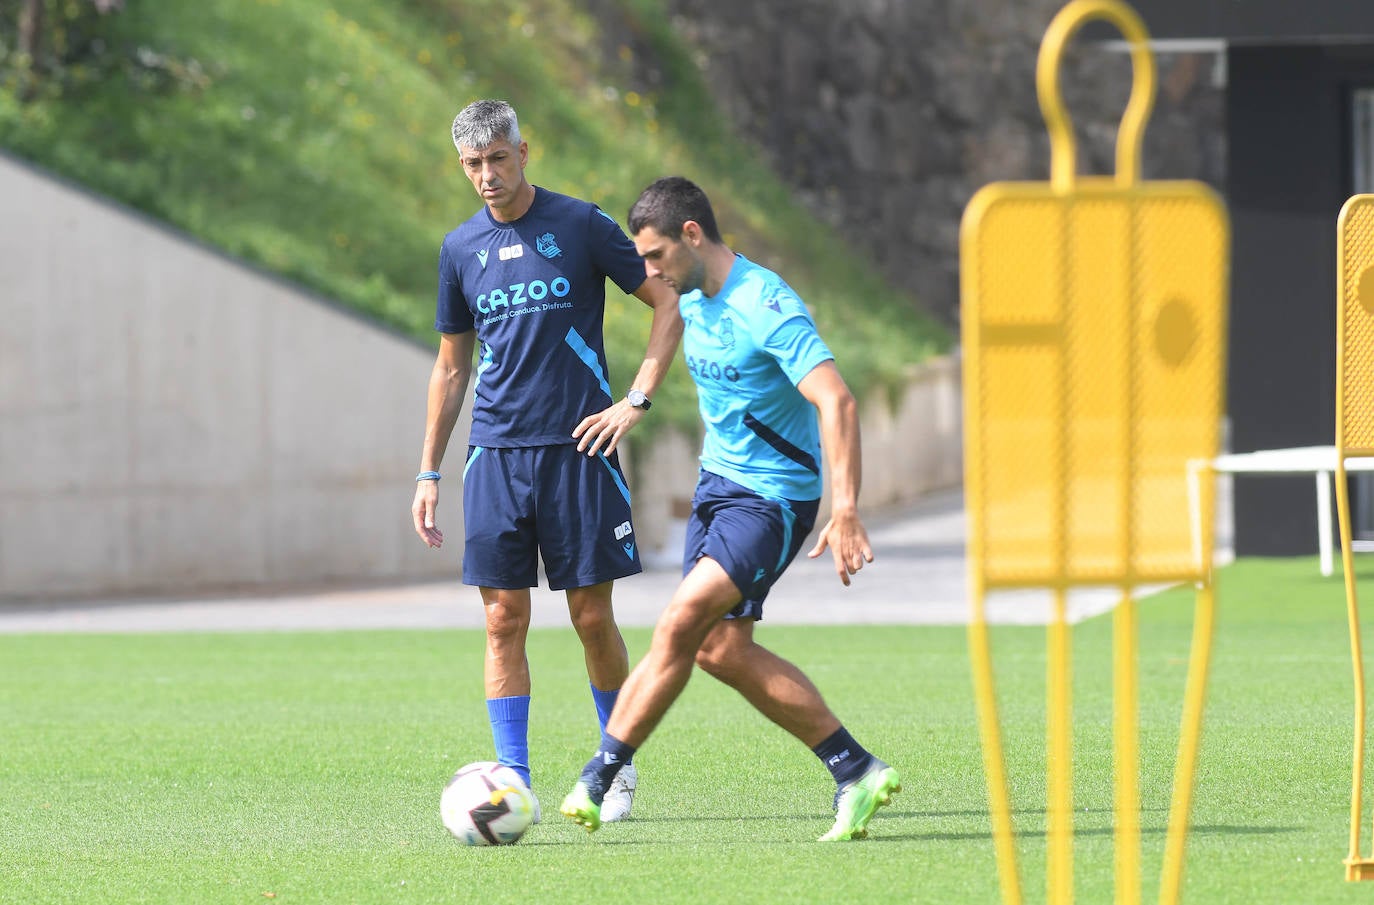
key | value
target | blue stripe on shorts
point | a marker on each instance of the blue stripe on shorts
(552, 503)
(753, 538)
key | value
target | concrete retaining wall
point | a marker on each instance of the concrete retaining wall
(174, 421)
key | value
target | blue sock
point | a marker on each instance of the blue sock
(605, 703)
(845, 758)
(604, 765)
(510, 730)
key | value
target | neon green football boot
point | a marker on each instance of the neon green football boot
(579, 807)
(860, 800)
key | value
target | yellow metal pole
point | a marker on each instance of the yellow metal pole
(999, 799)
(1354, 437)
(1125, 695)
(1059, 728)
(1353, 866)
(1063, 154)
(1185, 764)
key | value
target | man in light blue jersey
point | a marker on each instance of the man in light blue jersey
(771, 398)
(523, 280)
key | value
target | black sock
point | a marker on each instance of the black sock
(845, 758)
(604, 765)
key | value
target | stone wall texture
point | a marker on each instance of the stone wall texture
(886, 116)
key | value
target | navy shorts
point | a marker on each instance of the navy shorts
(571, 508)
(752, 537)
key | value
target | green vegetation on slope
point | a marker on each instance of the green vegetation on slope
(311, 137)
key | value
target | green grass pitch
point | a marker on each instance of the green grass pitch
(242, 768)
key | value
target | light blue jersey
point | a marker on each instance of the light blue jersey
(747, 348)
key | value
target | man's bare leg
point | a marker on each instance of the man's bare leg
(774, 686)
(506, 675)
(608, 663)
(705, 594)
(603, 647)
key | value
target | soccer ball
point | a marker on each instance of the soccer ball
(487, 804)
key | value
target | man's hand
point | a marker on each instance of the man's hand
(426, 502)
(606, 427)
(844, 534)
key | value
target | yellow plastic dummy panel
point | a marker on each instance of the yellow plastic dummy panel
(1094, 329)
(1354, 439)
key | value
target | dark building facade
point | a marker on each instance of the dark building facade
(1299, 104)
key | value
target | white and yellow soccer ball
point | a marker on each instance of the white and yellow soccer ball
(486, 804)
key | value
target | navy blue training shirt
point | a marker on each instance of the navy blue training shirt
(535, 292)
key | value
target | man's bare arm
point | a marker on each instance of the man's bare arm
(844, 533)
(603, 430)
(448, 384)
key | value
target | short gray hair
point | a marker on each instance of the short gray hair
(481, 123)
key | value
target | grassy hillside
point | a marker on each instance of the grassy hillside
(311, 137)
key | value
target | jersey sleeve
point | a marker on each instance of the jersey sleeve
(784, 329)
(613, 252)
(797, 347)
(451, 314)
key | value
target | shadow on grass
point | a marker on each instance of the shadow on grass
(1217, 829)
(885, 829)
(884, 813)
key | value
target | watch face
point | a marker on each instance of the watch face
(637, 399)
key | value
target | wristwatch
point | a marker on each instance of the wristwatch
(637, 399)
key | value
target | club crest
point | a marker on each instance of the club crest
(547, 246)
(727, 333)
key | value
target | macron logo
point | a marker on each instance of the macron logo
(482, 256)
(629, 549)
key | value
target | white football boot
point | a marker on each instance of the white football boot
(620, 795)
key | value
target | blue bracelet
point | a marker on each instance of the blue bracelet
(427, 476)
